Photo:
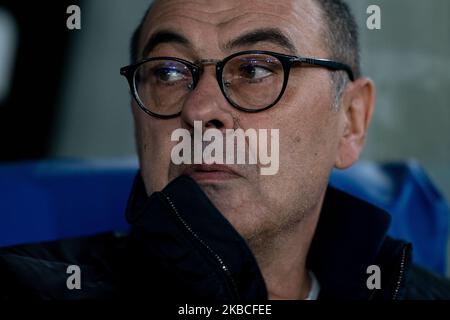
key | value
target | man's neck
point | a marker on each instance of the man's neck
(282, 259)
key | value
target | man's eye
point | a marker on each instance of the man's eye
(168, 74)
(253, 72)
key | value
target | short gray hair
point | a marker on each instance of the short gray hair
(342, 41)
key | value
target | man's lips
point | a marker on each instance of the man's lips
(216, 172)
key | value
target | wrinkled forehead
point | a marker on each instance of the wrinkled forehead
(210, 26)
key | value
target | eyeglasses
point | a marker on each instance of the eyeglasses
(251, 81)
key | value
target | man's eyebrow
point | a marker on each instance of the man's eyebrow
(164, 36)
(273, 35)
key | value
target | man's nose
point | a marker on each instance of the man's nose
(207, 104)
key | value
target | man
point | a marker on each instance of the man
(214, 231)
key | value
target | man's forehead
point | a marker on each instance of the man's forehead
(214, 6)
(223, 21)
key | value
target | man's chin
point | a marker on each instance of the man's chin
(233, 203)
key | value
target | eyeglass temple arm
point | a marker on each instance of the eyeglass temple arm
(332, 65)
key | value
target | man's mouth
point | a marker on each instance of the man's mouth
(210, 172)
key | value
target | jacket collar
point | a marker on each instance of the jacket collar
(348, 239)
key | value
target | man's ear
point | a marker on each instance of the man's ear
(358, 103)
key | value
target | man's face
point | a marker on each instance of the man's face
(255, 204)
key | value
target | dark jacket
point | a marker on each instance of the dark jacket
(181, 248)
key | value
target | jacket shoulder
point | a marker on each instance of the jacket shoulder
(40, 271)
(425, 285)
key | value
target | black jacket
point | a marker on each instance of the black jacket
(181, 248)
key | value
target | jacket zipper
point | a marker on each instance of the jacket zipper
(220, 261)
(401, 273)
